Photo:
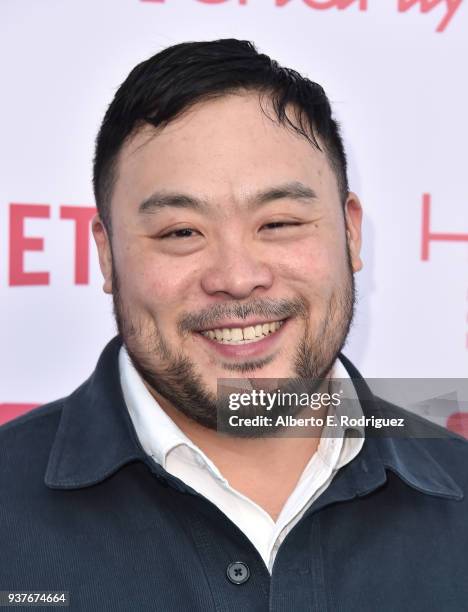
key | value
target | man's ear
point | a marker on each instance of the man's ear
(353, 220)
(102, 240)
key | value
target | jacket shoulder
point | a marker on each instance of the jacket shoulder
(32, 417)
(436, 445)
(417, 426)
(26, 441)
(36, 419)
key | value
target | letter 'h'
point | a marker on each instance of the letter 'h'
(428, 236)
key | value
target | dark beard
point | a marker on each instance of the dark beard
(177, 381)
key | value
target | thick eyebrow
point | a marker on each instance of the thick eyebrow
(294, 190)
(159, 200)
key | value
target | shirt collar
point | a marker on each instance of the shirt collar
(96, 437)
(157, 432)
(159, 435)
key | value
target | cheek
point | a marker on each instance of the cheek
(313, 267)
(152, 286)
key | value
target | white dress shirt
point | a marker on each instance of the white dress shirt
(164, 441)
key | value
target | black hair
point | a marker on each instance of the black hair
(159, 89)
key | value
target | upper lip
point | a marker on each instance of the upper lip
(239, 324)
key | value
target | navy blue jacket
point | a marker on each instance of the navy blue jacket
(84, 509)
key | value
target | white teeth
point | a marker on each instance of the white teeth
(238, 335)
(249, 333)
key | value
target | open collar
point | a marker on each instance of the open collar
(96, 437)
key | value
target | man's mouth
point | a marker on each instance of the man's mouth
(243, 335)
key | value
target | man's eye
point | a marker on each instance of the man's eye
(185, 232)
(279, 224)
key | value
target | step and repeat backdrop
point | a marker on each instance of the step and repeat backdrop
(395, 71)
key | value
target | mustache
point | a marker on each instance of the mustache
(266, 308)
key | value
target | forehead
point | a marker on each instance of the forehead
(222, 148)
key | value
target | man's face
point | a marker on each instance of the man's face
(231, 254)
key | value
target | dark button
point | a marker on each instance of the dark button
(238, 572)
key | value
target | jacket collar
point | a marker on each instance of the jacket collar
(96, 437)
(408, 457)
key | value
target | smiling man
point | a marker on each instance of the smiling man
(229, 240)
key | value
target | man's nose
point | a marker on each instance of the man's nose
(236, 270)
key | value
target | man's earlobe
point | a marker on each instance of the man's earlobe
(353, 219)
(102, 240)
